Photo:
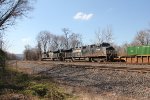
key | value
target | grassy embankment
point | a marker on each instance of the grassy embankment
(17, 85)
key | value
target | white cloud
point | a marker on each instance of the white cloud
(83, 16)
(26, 41)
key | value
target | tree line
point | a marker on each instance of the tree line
(47, 41)
(140, 39)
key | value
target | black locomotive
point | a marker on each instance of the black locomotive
(103, 52)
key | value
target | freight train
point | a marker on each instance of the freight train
(101, 53)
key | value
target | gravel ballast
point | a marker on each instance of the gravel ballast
(120, 83)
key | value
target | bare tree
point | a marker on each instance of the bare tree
(31, 53)
(62, 44)
(108, 34)
(3, 42)
(142, 38)
(75, 40)
(122, 50)
(11, 56)
(100, 36)
(44, 38)
(39, 50)
(66, 39)
(57, 42)
(50, 42)
(104, 35)
(147, 37)
(10, 10)
(27, 52)
(71, 40)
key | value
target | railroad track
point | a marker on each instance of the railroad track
(100, 63)
(126, 63)
(128, 69)
(116, 66)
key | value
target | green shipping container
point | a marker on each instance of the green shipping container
(132, 50)
(138, 50)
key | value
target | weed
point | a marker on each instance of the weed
(39, 86)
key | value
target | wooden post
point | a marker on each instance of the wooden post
(16, 65)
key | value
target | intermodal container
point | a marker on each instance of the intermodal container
(138, 50)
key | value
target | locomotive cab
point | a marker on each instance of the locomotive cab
(111, 53)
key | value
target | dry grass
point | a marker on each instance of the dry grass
(16, 85)
(94, 84)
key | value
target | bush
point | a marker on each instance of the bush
(46, 90)
(2, 58)
(39, 89)
(22, 78)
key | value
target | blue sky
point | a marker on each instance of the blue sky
(126, 17)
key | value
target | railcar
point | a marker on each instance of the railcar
(45, 56)
(137, 54)
(57, 55)
(67, 54)
(77, 54)
(102, 52)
